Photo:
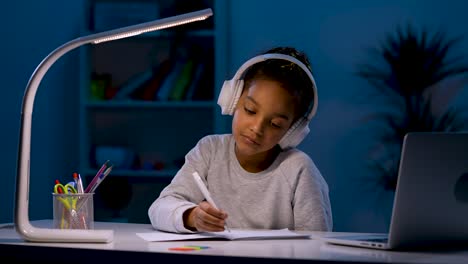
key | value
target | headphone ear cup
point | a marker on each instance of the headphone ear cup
(229, 96)
(295, 134)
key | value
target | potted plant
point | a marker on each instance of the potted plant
(415, 71)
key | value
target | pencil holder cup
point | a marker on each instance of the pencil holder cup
(73, 211)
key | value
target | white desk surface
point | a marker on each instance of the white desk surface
(258, 251)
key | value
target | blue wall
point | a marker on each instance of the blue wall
(30, 31)
(333, 33)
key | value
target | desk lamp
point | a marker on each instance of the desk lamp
(23, 226)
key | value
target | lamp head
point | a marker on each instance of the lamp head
(160, 24)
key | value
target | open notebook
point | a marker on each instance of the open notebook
(230, 235)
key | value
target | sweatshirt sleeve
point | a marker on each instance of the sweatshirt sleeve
(312, 209)
(166, 212)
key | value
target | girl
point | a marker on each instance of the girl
(256, 175)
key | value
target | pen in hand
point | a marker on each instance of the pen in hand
(205, 192)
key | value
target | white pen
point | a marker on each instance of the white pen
(206, 193)
(78, 182)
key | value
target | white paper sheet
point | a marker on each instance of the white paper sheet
(158, 236)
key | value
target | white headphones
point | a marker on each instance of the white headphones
(232, 90)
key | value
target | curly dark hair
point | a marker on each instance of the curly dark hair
(290, 76)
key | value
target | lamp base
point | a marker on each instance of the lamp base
(36, 234)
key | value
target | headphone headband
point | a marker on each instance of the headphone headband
(232, 90)
(263, 57)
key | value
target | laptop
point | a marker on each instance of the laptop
(430, 206)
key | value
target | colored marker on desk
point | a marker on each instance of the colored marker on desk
(188, 248)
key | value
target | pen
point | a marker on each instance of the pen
(101, 178)
(96, 177)
(206, 193)
(78, 182)
(59, 190)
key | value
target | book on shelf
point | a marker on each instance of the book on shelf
(182, 81)
(204, 90)
(195, 81)
(163, 92)
(131, 85)
(170, 80)
(100, 86)
(147, 92)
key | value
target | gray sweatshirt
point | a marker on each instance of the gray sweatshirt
(291, 193)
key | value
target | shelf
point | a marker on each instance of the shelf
(169, 173)
(155, 129)
(149, 104)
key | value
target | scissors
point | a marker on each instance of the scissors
(64, 189)
(69, 202)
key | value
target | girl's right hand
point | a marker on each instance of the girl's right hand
(205, 217)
